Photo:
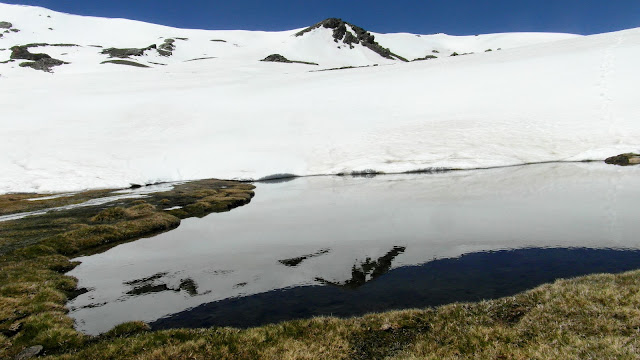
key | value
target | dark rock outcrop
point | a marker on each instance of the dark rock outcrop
(361, 36)
(22, 52)
(456, 54)
(428, 57)
(624, 159)
(5, 25)
(281, 59)
(127, 52)
(166, 48)
(47, 44)
(44, 64)
(276, 58)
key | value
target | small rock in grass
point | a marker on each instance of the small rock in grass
(29, 352)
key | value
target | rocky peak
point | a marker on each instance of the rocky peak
(342, 32)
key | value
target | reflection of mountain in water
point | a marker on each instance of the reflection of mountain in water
(153, 284)
(470, 277)
(293, 262)
(368, 270)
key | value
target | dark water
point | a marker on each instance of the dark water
(471, 277)
(346, 246)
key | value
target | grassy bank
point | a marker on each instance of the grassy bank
(35, 252)
(592, 317)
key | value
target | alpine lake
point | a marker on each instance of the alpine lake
(349, 245)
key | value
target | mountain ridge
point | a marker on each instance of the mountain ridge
(213, 109)
(337, 44)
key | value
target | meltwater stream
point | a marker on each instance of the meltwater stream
(349, 245)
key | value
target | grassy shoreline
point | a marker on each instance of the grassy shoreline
(590, 317)
(35, 251)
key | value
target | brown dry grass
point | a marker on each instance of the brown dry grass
(15, 203)
(34, 250)
(592, 317)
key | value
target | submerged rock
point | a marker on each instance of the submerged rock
(624, 159)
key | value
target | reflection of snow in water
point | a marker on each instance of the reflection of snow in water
(52, 196)
(345, 231)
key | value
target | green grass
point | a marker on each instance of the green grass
(591, 317)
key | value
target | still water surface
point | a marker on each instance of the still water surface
(346, 246)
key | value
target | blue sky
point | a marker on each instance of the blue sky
(456, 17)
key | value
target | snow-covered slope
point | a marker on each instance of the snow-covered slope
(541, 97)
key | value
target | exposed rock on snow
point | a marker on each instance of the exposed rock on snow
(127, 52)
(166, 48)
(282, 59)
(44, 64)
(5, 25)
(428, 57)
(342, 33)
(22, 52)
(624, 159)
(276, 58)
